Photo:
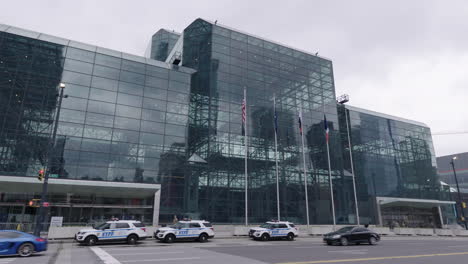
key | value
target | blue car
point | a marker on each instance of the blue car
(13, 242)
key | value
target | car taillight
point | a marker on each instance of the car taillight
(144, 229)
(40, 239)
(212, 228)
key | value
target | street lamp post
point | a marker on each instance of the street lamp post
(342, 100)
(452, 162)
(40, 216)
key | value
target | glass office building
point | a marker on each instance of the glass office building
(171, 121)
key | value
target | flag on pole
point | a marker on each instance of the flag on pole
(243, 116)
(327, 130)
(300, 121)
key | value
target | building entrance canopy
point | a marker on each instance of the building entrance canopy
(419, 203)
(13, 184)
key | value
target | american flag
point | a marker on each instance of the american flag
(243, 116)
(326, 127)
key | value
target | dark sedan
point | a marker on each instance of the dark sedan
(351, 235)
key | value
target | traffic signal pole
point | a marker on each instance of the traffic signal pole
(41, 215)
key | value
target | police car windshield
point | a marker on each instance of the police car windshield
(267, 226)
(103, 226)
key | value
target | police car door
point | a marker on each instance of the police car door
(283, 229)
(121, 230)
(106, 232)
(183, 231)
(194, 230)
(275, 231)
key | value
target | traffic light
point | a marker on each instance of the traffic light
(40, 175)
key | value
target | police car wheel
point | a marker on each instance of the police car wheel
(26, 250)
(132, 239)
(264, 237)
(91, 240)
(203, 238)
(290, 237)
(169, 238)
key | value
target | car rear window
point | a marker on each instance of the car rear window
(206, 224)
(121, 225)
(9, 235)
(292, 225)
(138, 224)
(193, 225)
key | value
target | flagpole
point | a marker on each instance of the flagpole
(329, 173)
(276, 159)
(246, 151)
(352, 167)
(305, 171)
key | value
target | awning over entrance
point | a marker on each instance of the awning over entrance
(14, 184)
(421, 203)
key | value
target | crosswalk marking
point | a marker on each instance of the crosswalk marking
(104, 256)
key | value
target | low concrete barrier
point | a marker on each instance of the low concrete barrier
(382, 231)
(404, 231)
(460, 232)
(444, 232)
(241, 230)
(424, 231)
(64, 232)
(320, 230)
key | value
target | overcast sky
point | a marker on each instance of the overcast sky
(403, 58)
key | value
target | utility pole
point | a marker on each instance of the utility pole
(41, 215)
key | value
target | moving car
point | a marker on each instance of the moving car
(200, 230)
(351, 234)
(14, 242)
(274, 229)
(123, 230)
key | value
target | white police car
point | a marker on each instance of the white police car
(274, 229)
(200, 230)
(123, 230)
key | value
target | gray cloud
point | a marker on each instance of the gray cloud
(404, 58)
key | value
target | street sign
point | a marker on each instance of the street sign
(56, 221)
(53, 175)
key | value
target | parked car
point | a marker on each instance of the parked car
(351, 235)
(14, 242)
(124, 230)
(199, 230)
(274, 229)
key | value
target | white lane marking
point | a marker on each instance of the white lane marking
(150, 253)
(459, 246)
(154, 260)
(104, 256)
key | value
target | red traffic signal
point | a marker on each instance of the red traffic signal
(40, 175)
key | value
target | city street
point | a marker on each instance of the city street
(392, 250)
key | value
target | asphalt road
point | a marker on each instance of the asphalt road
(401, 250)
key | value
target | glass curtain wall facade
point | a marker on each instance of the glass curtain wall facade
(391, 157)
(135, 119)
(161, 44)
(227, 62)
(124, 119)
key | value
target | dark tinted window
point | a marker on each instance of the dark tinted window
(207, 224)
(138, 224)
(360, 229)
(9, 235)
(194, 225)
(282, 226)
(122, 225)
(291, 225)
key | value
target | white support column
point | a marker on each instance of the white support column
(157, 199)
(440, 216)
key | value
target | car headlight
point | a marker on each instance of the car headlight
(336, 236)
